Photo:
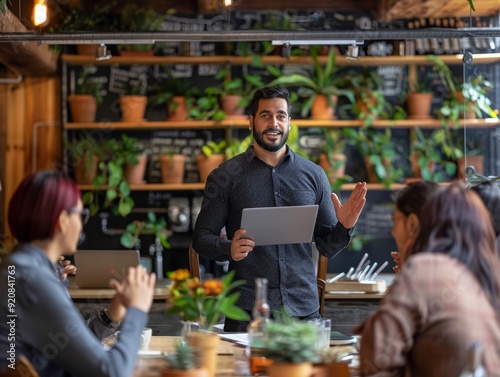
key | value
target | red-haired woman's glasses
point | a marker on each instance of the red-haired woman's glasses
(84, 213)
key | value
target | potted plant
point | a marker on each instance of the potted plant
(133, 102)
(204, 302)
(206, 106)
(81, 18)
(135, 158)
(419, 98)
(426, 154)
(136, 18)
(235, 94)
(320, 87)
(172, 165)
(369, 104)
(379, 151)
(292, 345)
(152, 225)
(469, 97)
(235, 146)
(212, 155)
(183, 362)
(111, 175)
(85, 153)
(83, 103)
(333, 158)
(176, 93)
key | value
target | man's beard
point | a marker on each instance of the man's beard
(271, 147)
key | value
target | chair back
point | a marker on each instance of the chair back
(194, 263)
(321, 294)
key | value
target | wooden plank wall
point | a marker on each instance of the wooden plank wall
(32, 106)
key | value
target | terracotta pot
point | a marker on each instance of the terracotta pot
(84, 172)
(137, 53)
(331, 172)
(330, 370)
(476, 161)
(415, 167)
(419, 105)
(200, 372)
(83, 108)
(133, 108)
(87, 49)
(178, 112)
(229, 104)
(206, 345)
(321, 109)
(207, 164)
(134, 174)
(290, 370)
(370, 170)
(172, 168)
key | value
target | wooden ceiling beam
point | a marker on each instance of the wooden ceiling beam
(407, 9)
(26, 58)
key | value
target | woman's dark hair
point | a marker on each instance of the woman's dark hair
(455, 222)
(269, 92)
(414, 196)
(38, 202)
(489, 192)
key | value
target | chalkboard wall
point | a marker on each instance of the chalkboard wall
(374, 226)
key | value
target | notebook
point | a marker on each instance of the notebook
(279, 225)
(96, 267)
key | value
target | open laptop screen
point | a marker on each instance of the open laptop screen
(279, 225)
(96, 267)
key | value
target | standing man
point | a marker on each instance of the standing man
(270, 174)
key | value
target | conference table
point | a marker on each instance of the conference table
(231, 359)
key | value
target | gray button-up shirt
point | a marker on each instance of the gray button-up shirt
(245, 181)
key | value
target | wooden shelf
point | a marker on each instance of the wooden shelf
(201, 186)
(306, 60)
(156, 187)
(303, 123)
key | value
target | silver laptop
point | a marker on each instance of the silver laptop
(279, 225)
(96, 267)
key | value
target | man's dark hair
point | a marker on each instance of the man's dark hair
(268, 92)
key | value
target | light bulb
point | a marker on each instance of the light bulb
(40, 16)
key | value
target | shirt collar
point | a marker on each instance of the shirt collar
(250, 154)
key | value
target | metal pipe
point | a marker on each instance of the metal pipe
(244, 35)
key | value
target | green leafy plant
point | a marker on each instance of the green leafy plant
(204, 302)
(288, 340)
(243, 87)
(99, 18)
(379, 149)
(428, 151)
(183, 358)
(137, 18)
(83, 149)
(86, 86)
(206, 106)
(368, 104)
(211, 147)
(235, 146)
(165, 89)
(152, 225)
(474, 92)
(319, 81)
(111, 176)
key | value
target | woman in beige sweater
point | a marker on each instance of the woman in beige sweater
(445, 299)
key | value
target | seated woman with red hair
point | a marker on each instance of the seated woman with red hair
(45, 217)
